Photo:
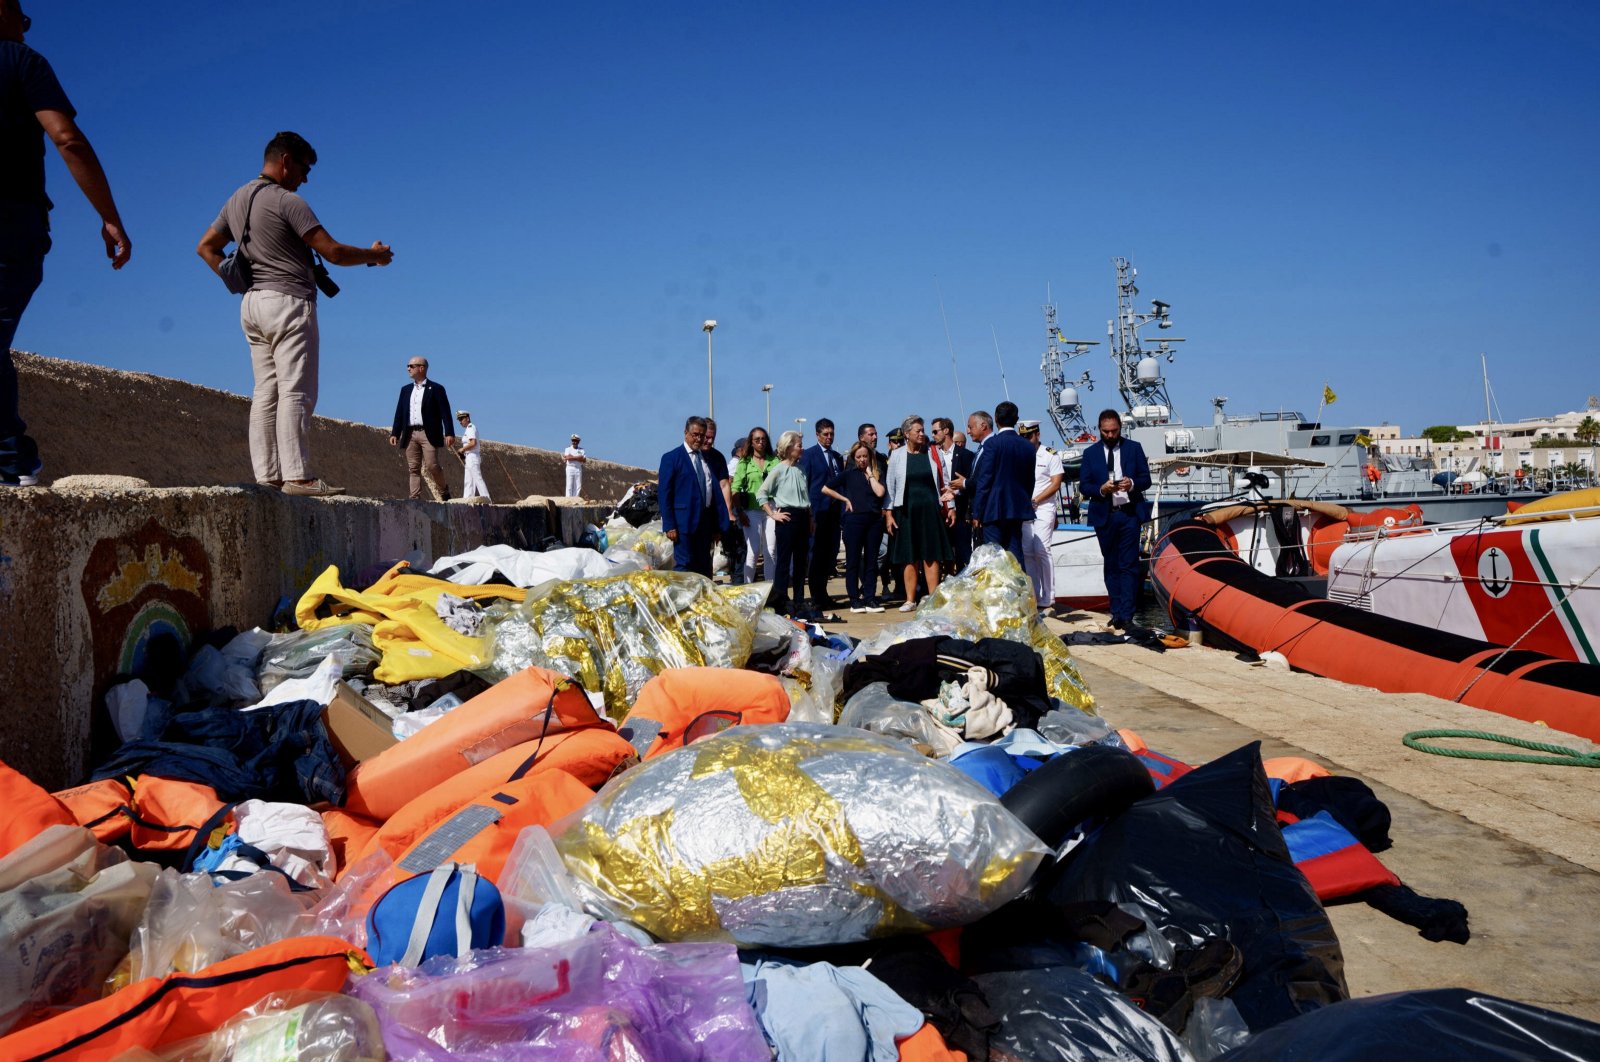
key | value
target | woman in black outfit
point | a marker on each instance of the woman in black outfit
(862, 525)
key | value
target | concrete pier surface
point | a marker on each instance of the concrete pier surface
(1517, 843)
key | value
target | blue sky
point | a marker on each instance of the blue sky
(1363, 194)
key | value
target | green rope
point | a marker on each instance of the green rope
(1563, 756)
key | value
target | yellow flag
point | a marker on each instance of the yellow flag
(1363, 440)
(1328, 397)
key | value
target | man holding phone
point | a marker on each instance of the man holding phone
(278, 232)
(1114, 477)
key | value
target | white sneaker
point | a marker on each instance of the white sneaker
(909, 606)
(873, 608)
(858, 609)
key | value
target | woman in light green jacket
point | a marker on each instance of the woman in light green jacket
(748, 473)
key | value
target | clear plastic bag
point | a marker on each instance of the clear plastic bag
(299, 1026)
(814, 691)
(874, 708)
(191, 924)
(648, 541)
(1066, 725)
(795, 834)
(991, 598)
(593, 999)
(298, 654)
(67, 905)
(613, 635)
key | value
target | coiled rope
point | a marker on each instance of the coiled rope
(1561, 756)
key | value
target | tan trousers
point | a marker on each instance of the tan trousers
(282, 330)
(420, 452)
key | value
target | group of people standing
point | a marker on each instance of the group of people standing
(793, 506)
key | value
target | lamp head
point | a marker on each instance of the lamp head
(708, 326)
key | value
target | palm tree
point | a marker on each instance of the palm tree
(1587, 431)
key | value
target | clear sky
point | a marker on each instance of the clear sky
(1361, 194)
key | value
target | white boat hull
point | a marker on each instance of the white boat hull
(1078, 568)
(1532, 586)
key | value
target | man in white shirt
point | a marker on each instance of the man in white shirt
(575, 459)
(1036, 536)
(472, 484)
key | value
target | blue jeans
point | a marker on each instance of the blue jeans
(863, 533)
(24, 241)
(1119, 549)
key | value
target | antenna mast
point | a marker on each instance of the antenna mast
(1061, 393)
(1138, 370)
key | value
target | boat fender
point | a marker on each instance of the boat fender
(1096, 781)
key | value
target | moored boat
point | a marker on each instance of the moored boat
(1528, 579)
(1202, 580)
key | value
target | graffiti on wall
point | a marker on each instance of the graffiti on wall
(139, 588)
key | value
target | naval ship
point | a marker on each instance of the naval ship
(1261, 455)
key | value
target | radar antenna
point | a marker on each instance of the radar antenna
(1139, 377)
(1062, 400)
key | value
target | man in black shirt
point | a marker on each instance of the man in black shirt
(33, 105)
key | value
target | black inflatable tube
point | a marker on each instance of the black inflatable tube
(1096, 781)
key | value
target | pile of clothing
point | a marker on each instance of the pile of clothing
(612, 811)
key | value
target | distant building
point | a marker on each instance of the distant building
(1497, 447)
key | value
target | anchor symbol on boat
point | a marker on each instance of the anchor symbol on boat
(1489, 577)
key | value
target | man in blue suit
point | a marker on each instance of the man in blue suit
(1002, 495)
(823, 468)
(693, 512)
(1114, 477)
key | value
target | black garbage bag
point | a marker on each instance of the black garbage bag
(1065, 1013)
(1441, 1025)
(641, 505)
(1204, 858)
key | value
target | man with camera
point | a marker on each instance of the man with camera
(280, 235)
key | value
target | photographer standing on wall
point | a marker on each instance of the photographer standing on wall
(278, 233)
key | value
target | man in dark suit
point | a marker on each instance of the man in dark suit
(693, 509)
(953, 443)
(422, 425)
(1114, 477)
(1002, 498)
(823, 468)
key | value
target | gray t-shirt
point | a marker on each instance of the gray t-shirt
(279, 257)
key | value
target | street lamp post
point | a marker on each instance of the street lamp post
(711, 391)
(766, 389)
(800, 426)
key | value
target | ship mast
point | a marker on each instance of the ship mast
(1138, 370)
(1066, 411)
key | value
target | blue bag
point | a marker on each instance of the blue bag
(450, 911)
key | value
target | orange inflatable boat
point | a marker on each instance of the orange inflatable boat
(1198, 577)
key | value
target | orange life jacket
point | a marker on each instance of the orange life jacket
(159, 1011)
(167, 814)
(28, 810)
(926, 1045)
(513, 711)
(590, 756)
(685, 703)
(102, 807)
(348, 835)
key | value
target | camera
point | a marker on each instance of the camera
(325, 284)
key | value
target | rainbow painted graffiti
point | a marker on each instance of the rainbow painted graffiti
(139, 587)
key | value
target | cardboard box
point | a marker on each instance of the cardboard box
(359, 729)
